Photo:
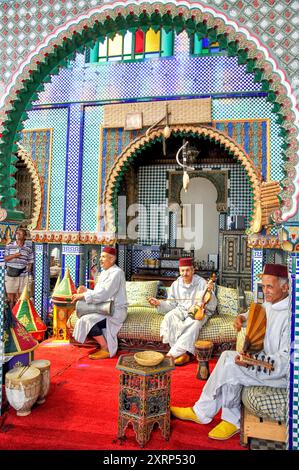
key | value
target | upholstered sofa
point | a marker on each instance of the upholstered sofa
(141, 330)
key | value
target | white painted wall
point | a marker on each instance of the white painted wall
(200, 219)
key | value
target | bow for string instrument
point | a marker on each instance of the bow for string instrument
(254, 340)
(197, 311)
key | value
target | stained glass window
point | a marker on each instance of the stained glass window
(132, 46)
(204, 46)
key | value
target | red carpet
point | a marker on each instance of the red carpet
(81, 409)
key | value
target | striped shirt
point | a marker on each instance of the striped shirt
(26, 256)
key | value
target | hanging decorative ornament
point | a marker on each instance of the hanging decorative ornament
(184, 165)
(186, 181)
(166, 132)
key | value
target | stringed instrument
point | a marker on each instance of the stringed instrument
(247, 360)
(197, 311)
(256, 329)
(254, 340)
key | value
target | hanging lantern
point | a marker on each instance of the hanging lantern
(63, 308)
(26, 314)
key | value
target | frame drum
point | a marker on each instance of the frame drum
(22, 386)
(44, 366)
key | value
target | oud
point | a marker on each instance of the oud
(248, 360)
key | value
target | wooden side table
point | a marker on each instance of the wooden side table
(144, 397)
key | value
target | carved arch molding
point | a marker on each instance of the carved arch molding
(218, 178)
(37, 189)
(102, 20)
(265, 194)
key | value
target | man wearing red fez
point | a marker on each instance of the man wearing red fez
(224, 386)
(178, 328)
(111, 285)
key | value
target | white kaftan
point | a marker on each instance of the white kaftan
(223, 389)
(178, 329)
(111, 284)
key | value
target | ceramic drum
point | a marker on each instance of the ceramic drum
(203, 351)
(44, 366)
(22, 387)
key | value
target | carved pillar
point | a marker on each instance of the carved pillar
(2, 273)
(73, 176)
(294, 352)
(257, 267)
(41, 280)
(71, 258)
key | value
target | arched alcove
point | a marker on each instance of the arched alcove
(25, 191)
(136, 147)
(108, 19)
(28, 188)
(200, 221)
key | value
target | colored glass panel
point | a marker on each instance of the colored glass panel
(167, 41)
(115, 46)
(137, 46)
(94, 52)
(204, 47)
(128, 44)
(205, 42)
(139, 41)
(152, 41)
(103, 49)
(152, 54)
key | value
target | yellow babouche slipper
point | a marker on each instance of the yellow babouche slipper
(181, 360)
(101, 354)
(223, 431)
(187, 414)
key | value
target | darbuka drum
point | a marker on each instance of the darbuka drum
(203, 351)
(44, 366)
(22, 387)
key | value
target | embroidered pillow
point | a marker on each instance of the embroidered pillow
(162, 292)
(139, 291)
(227, 300)
(249, 297)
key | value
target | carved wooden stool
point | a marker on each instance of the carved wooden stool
(203, 352)
(144, 397)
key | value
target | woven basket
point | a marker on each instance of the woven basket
(148, 358)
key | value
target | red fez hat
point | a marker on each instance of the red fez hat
(279, 270)
(185, 262)
(110, 250)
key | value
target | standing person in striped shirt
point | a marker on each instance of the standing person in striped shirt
(19, 261)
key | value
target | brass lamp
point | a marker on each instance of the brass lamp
(189, 154)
